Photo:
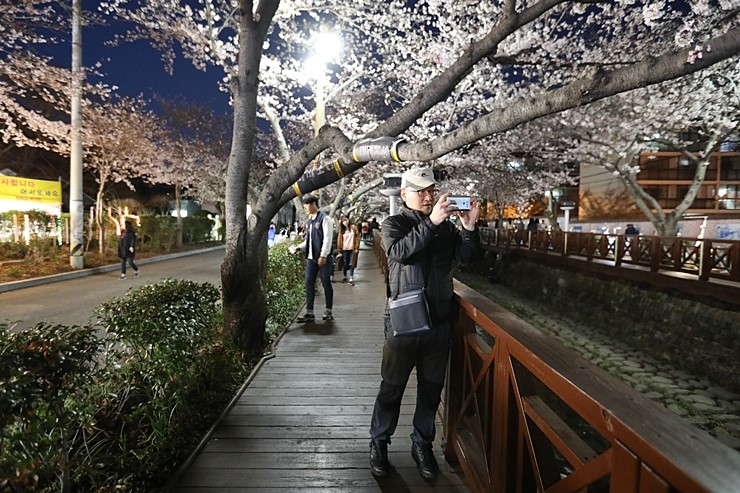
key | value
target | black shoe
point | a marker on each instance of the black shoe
(307, 318)
(426, 464)
(379, 464)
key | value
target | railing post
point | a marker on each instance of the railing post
(590, 246)
(677, 249)
(619, 250)
(656, 253)
(705, 263)
(734, 256)
(461, 325)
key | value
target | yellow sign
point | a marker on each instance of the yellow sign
(26, 189)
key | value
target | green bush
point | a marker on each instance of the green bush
(284, 287)
(83, 416)
(161, 335)
(196, 229)
(13, 250)
(45, 374)
(157, 233)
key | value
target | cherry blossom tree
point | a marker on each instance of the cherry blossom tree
(692, 116)
(122, 141)
(439, 75)
(34, 93)
(191, 155)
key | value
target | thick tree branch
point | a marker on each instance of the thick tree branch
(582, 91)
(442, 85)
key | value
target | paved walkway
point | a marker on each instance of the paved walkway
(302, 422)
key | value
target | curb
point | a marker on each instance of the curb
(64, 276)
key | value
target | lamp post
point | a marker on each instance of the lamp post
(566, 206)
(392, 190)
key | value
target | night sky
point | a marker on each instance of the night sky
(136, 68)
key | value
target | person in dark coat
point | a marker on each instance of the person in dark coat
(421, 245)
(127, 249)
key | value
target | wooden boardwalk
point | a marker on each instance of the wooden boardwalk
(301, 425)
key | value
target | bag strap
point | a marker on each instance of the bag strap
(403, 266)
(400, 274)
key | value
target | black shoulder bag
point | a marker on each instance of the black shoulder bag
(409, 311)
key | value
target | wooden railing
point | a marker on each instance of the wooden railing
(523, 413)
(702, 257)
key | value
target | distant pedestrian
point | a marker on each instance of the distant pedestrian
(271, 235)
(127, 249)
(631, 230)
(348, 244)
(317, 244)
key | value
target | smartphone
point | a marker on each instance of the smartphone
(461, 203)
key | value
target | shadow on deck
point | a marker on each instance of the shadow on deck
(302, 423)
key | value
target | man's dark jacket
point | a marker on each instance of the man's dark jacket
(426, 252)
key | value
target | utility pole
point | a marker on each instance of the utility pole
(77, 213)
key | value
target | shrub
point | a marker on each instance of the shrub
(120, 416)
(45, 373)
(284, 287)
(163, 338)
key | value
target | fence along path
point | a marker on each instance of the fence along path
(302, 422)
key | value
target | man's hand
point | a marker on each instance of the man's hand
(321, 261)
(442, 210)
(469, 218)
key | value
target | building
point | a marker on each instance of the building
(667, 176)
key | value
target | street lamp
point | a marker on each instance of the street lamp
(392, 190)
(567, 206)
(327, 47)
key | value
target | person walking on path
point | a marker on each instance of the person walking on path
(317, 245)
(348, 243)
(127, 249)
(421, 245)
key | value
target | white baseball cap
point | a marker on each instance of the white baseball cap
(418, 178)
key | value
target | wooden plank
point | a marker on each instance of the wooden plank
(236, 431)
(625, 469)
(283, 479)
(652, 483)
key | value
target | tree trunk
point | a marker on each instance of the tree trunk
(178, 216)
(243, 275)
(668, 227)
(245, 261)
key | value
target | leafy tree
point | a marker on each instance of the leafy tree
(192, 153)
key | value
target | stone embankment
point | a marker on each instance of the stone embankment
(697, 400)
